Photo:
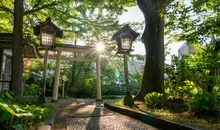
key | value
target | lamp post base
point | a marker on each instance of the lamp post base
(128, 100)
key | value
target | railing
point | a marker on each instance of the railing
(4, 85)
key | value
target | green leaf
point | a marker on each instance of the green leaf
(8, 95)
(32, 107)
(6, 116)
(19, 127)
(5, 106)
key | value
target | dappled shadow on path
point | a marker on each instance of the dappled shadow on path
(77, 110)
(94, 120)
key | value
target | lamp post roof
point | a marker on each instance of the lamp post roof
(59, 32)
(125, 30)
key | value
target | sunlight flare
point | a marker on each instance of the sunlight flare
(100, 47)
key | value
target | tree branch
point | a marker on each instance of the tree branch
(36, 5)
(40, 8)
(6, 9)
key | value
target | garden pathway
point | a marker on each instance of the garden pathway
(90, 115)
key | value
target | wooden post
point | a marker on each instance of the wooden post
(64, 79)
(98, 78)
(57, 75)
(126, 74)
(42, 98)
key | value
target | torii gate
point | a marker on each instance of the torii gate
(83, 52)
(31, 51)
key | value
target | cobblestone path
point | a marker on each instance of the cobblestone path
(93, 116)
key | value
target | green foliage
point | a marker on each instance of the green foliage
(182, 79)
(32, 89)
(19, 127)
(6, 96)
(85, 86)
(82, 92)
(19, 116)
(77, 18)
(37, 67)
(205, 61)
(85, 81)
(155, 100)
(115, 84)
(204, 101)
(193, 21)
(135, 82)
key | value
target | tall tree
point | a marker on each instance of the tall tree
(17, 58)
(194, 21)
(153, 39)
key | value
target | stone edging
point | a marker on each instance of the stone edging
(151, 119)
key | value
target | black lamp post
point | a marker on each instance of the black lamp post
(124, 39)
(48, 32)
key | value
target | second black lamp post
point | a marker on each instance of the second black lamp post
(124, 39)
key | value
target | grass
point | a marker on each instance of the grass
(186, 118)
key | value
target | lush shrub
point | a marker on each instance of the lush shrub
(18, 116)
(182, 78)
(204, 102)
(32, 89)
(155, 100)
(82, 92)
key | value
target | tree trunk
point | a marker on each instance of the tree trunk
(17, 58)
(153, 39)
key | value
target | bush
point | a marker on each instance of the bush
(15, 115)
(204, 102)
(155, 100)
(32, 89)
(81, 92)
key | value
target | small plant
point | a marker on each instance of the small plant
(155, 100)
(204, 102)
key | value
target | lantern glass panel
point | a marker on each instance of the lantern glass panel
(48, 38)
(126, 42)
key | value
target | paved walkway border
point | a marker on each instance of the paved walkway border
(151, 119)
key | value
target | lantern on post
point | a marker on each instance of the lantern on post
(124, 39)
(48, 32)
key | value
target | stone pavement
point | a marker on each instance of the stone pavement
(90, 115)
